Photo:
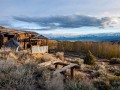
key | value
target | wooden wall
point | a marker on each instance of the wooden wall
(24, 36)
(1, 40)
(21, 38)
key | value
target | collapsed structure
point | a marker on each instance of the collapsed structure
(26, 39)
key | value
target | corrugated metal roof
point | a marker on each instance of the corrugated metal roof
(39, 37)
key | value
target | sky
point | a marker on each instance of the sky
(62, 17)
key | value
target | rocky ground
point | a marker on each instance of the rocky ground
(99, 74)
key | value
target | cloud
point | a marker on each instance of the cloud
(73, 21)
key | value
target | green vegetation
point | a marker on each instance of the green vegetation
(90, 59)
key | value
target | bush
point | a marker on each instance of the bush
(115, 84)
(21, 77)
(56, 83)
(115, 70)
(90, 59)
(83, 85)
(115, 61)
(102, 85)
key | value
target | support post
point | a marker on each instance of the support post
(72, 73)
(46, 42)
(56, 66)
(24, 44)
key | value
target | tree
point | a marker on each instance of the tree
(90, 59)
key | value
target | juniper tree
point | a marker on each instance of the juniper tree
(89, 59)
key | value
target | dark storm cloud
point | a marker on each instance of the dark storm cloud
(73, 21)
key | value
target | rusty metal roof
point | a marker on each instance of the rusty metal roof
(39, 37)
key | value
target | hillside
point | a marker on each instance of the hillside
(12, 31)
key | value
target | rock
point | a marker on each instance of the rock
(13, 55)
(60, 55)
(47, 57)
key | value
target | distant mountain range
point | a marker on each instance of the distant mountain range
(87, 37)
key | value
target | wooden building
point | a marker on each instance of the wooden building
(26, 39)
(31, 40)
(1, 40)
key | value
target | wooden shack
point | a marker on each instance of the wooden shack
(25, 38)
(28, 40)
(39, 40)
(1, 40)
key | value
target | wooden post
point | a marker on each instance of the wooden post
(56, 66)
(72, 73)
(24, 44)
(1, 40)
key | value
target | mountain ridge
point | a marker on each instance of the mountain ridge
(88, 37)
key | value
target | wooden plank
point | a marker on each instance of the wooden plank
(48, 63)
(61, 63)
(65, 68)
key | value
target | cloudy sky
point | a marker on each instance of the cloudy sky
(61, 16)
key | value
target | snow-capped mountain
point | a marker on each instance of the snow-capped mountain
(87, 37)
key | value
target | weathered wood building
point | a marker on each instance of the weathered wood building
(25, 38)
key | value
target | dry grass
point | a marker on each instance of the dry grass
(30, 76)
(21, 77)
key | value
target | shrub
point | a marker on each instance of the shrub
(83, 85)
(115, 61)
(90, 59)
(115, 70)
(102, 85)
(117, 73)
(115, 84)
(21, 77)
(95, 67)
(56, 83)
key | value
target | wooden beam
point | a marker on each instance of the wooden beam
(61, 63)
(72, 73)
(65, 68)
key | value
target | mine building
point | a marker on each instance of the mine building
(26, 39)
